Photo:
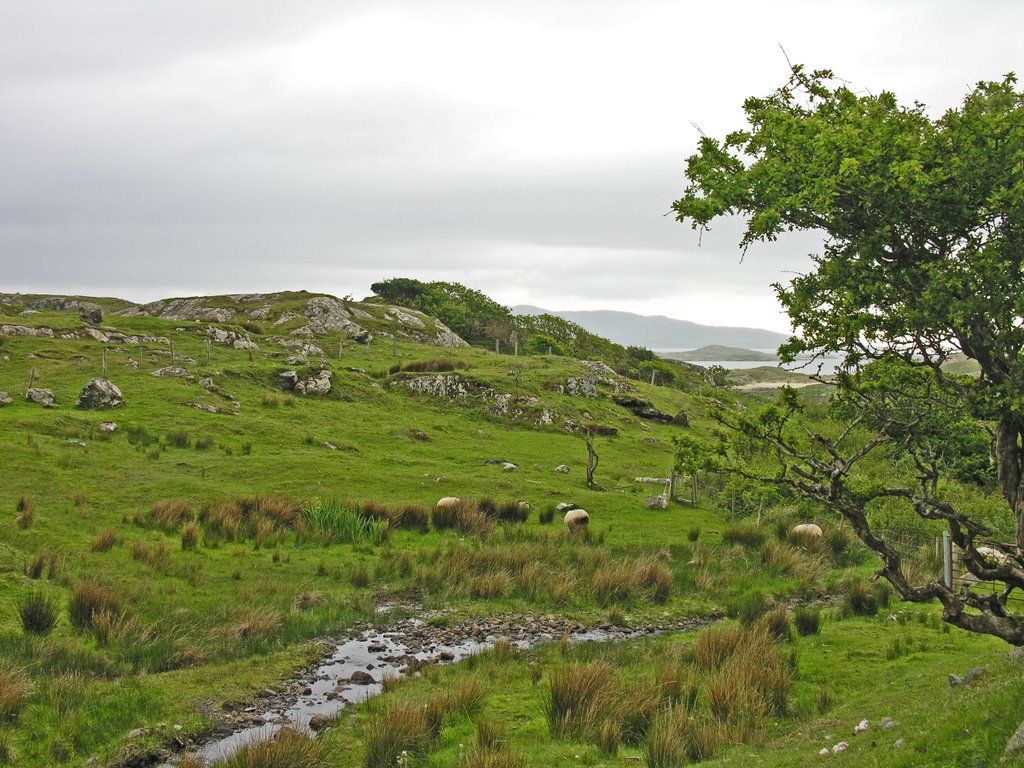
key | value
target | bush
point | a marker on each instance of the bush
(104, 540)
(807, 620)
(88, 598)
(38, 612)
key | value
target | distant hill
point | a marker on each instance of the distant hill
(718, 352)
(659, 332)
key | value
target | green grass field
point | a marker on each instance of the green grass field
(189, 558)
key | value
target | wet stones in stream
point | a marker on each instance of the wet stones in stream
(354, 668)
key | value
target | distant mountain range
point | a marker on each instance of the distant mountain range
(657, 332)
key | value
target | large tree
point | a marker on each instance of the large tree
(923, 257)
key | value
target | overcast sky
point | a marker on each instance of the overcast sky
(531, 150)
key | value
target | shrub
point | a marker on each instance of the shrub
(38, 612)
(807, 620)
(179, 438)
(14, 689)
(744, 534)
(288, 748)
(88, 598)
(104, 540)
(190, 535)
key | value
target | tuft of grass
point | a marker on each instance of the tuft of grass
(361, 578)
(190, 535)
(547, 515)
(776, 624)
(744, 534)
(432, 365)
(400, 731)
(288, 748)
(37, 611)
(204, 443)
(26, 512)
(15, 688)
(747, 607)
(333, 521)
(104, 540)
(88, 598)
(414, 517)
(179, 438)
(257, 623)
(807, 620)
(858, 600)
(692, 535)
(489, 586)
(167, 514)
(34, 568)
(578, 694)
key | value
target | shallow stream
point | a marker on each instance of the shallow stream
(355, 667)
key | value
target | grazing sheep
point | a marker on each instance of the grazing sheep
(524, 507)
(576, 518)
(447, 502)
(807, 529)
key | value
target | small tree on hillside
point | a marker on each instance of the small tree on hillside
(923, 258)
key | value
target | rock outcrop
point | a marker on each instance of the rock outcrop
(90, 313)
(100, 393)
(43, 397)
(317, 383)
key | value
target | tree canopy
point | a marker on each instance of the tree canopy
(922, 259)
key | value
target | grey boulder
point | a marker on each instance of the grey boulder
(100, 393)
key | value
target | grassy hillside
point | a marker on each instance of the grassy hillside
(189, 558)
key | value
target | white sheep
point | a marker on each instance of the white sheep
(447, 502)
(576, 518)
(807, 529)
